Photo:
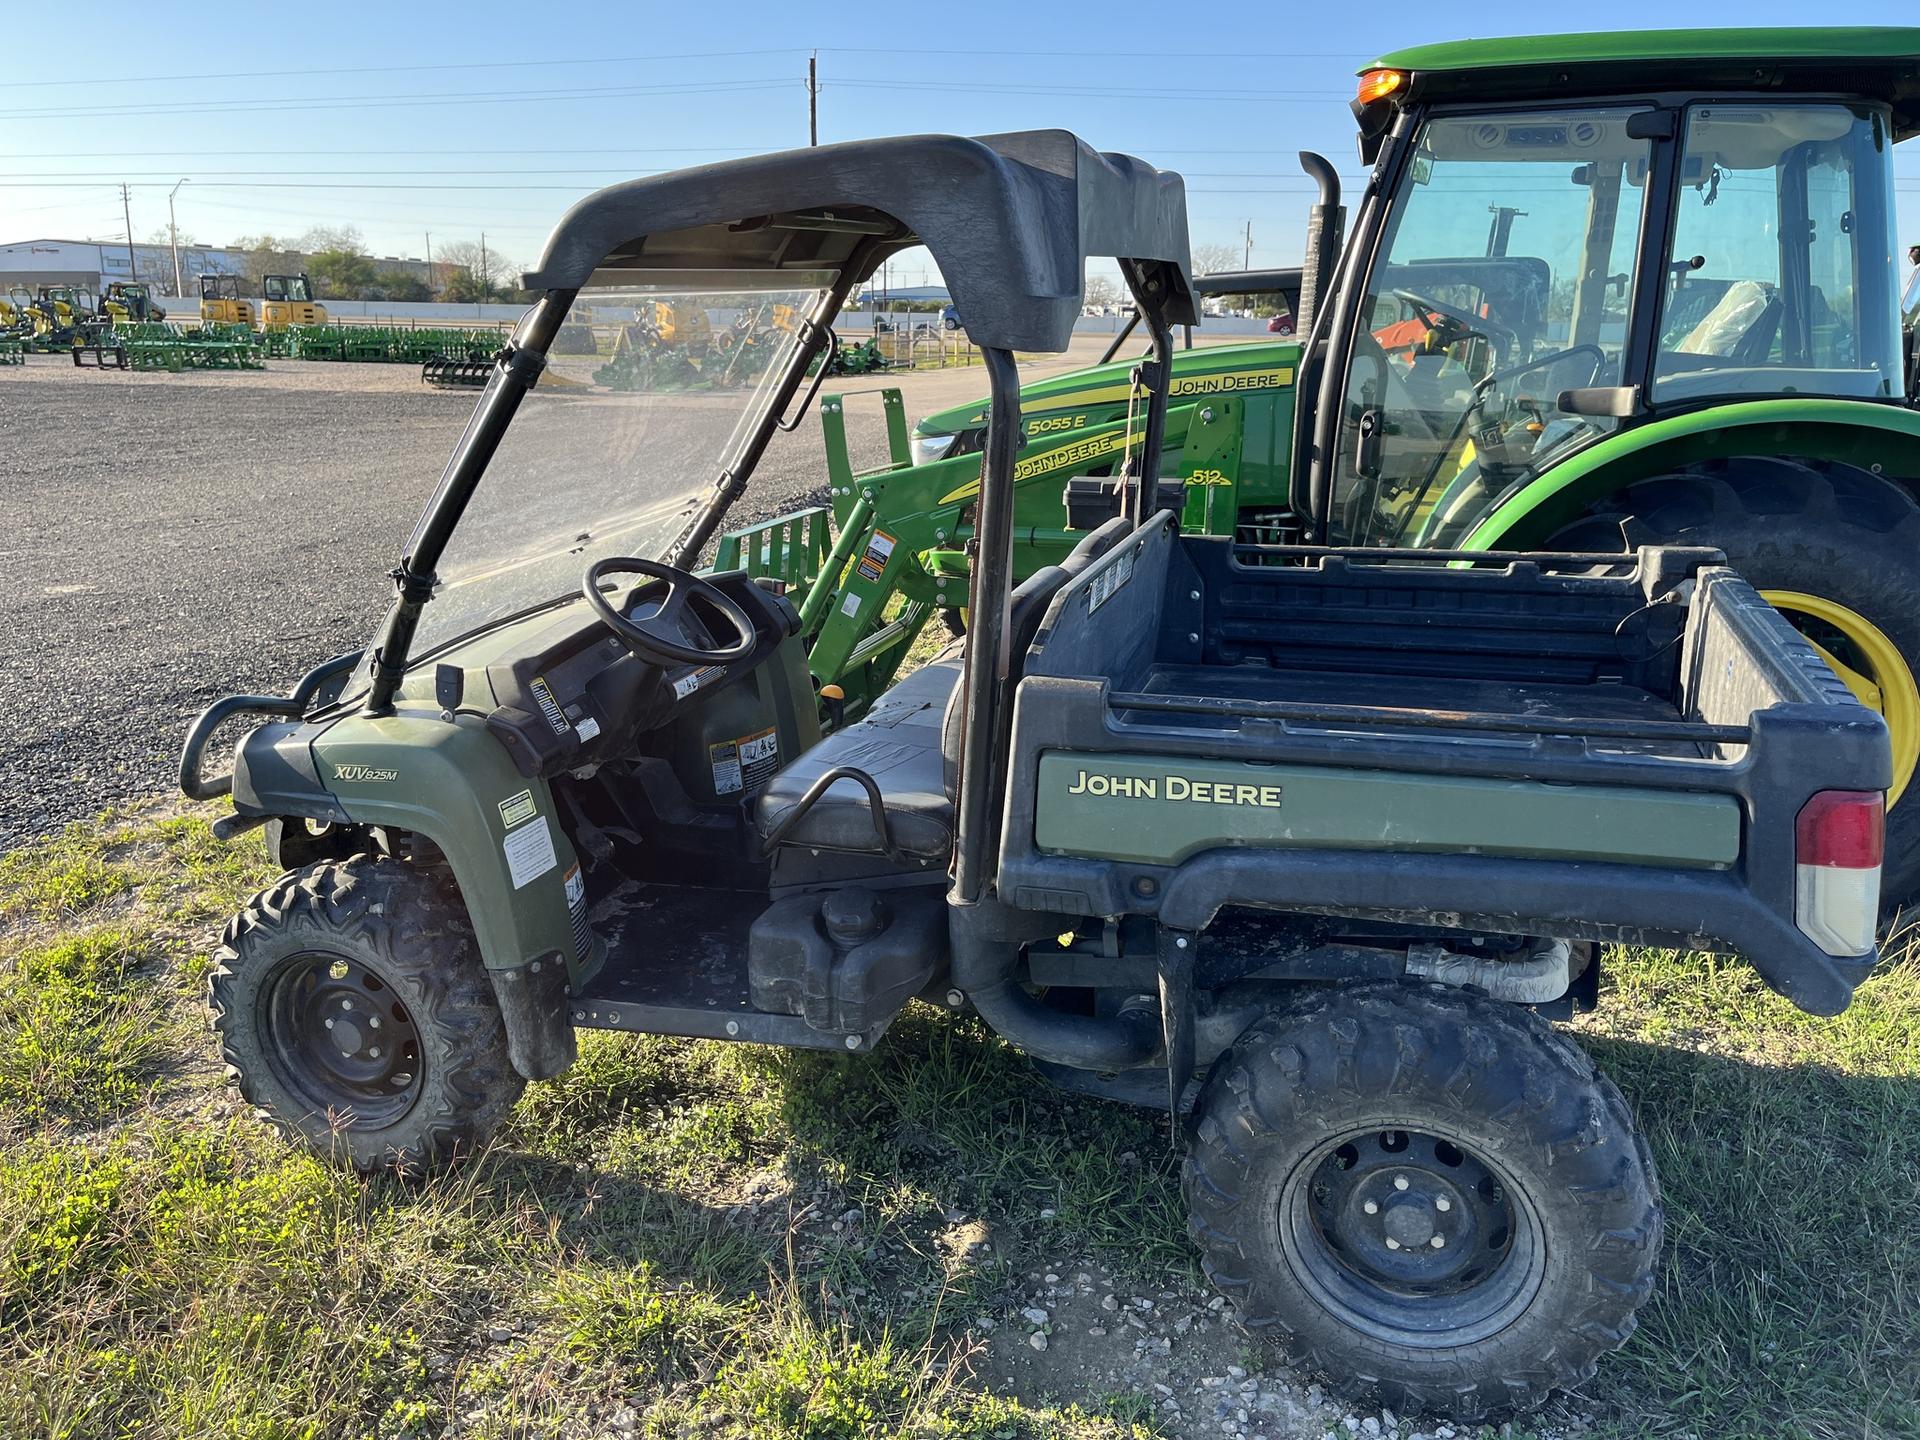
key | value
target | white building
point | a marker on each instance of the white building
(93, 263)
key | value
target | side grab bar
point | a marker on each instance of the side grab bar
(291, 706)
(819, 788)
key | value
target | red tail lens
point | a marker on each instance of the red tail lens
(1846, 829)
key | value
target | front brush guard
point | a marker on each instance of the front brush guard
(292, 706)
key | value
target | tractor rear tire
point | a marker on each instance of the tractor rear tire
(353, 1012)
(1834, 532)
(1431, 1197)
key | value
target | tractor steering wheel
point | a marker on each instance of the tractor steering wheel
(666, 636)
(1472, 324)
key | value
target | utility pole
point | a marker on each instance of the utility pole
(126, 210)
(486, 285)
(173, 240)
(1246, 255)
(813, 98)
(429, 264)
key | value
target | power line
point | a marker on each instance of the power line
(1023, 53)
(303, 103)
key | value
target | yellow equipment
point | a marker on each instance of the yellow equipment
(288, 300)
(128, 301)
(221, 302)
(59, 312)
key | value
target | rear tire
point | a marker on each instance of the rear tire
(1518, 1156)
(353, 1012)
(1834, 532)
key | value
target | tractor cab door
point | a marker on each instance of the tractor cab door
(1780, 279)
(1502, 276)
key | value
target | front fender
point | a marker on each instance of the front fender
(1883, 439)
(454, 783)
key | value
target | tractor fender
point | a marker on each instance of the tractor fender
(518, 876)
(1882, 439)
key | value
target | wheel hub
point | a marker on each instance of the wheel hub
(341, 1037)
(1406, 1232)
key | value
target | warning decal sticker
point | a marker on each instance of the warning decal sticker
(1101, 587)
(744, 763)
(874, 559)
(518, 809)
(529, 852)
(549, 707)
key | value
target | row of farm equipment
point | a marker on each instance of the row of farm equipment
(125, 328)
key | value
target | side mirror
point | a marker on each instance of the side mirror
(1606, 402)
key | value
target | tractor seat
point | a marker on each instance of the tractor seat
(899, 741)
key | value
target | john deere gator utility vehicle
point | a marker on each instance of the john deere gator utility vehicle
(129, 302)
(1601, 290)
(1303, 852)
(287, 300)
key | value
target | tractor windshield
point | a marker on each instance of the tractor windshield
(1504, 280)
(649, 391)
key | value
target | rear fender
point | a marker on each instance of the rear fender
(1882, 439)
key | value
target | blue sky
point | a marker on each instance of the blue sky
(454, 119)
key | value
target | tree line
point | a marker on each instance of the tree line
(335, 258)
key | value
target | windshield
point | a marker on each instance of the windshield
(647, 396)
(1504, 280)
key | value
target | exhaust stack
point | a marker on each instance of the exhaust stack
(1326, 231)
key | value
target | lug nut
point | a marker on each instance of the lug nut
(346, 1004)
(1392, 1244)
(329, 1024)
(374, 1021)
(374, 1052)
(1399, 1182)
(1372, 1207)
(1439, 1242)
(1442, 1204)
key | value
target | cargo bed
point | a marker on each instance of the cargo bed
(1608, 748)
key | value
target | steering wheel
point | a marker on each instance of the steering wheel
(1477, 324)
(664, 636)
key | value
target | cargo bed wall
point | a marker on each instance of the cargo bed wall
(1571, 703)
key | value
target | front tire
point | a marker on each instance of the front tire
(1837, 550)
(353, 1012)
(1429, 1196)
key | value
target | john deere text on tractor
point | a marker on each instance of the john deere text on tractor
(1300, 845)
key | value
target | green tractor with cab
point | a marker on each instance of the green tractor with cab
(1601, 291)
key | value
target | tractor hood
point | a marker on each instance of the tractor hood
(1205, 370)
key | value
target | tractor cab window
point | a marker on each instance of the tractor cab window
(274, 287)
(1779, 277)
(1503, 280)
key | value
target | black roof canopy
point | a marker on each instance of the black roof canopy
(1010, 221)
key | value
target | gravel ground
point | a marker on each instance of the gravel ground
(174, 538)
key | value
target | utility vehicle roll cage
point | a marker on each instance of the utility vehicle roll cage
(1009, 219)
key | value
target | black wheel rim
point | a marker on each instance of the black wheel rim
(1411, 1237)
(339, 1037)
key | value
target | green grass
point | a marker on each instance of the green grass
(651, 1231)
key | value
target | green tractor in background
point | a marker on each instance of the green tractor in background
(1601, 291)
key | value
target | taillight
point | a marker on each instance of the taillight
(1839, 841)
